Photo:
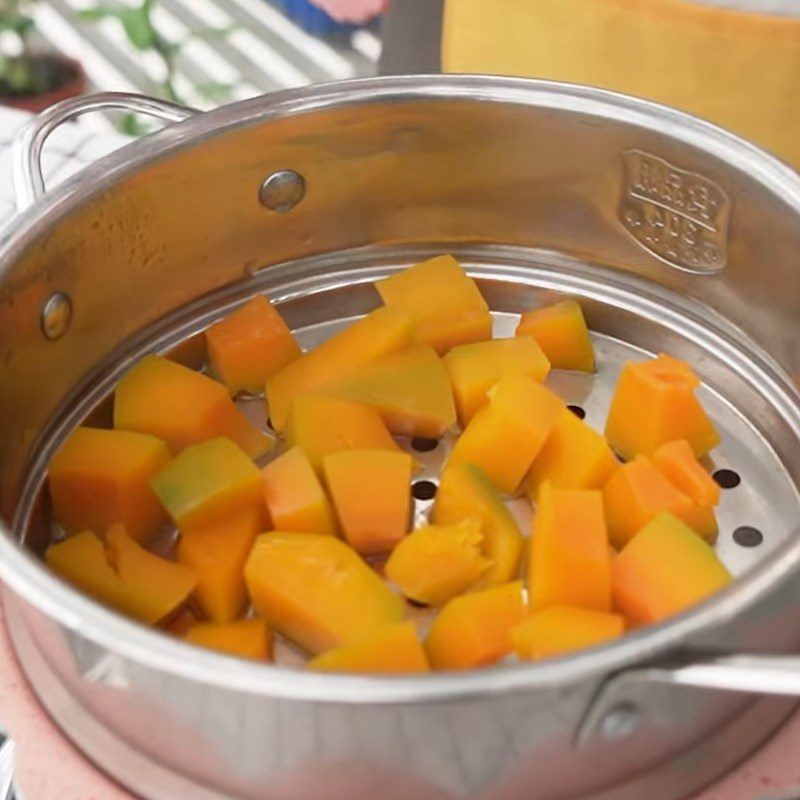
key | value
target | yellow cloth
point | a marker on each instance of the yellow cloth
(739, 70)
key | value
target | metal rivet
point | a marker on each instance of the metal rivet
(56, 315)
(282, 190)
(620, 722)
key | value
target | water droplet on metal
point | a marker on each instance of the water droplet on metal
(56, 315)
(282, 190)
(620, 722)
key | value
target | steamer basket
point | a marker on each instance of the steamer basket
(675, 236)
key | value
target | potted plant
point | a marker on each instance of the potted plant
(32, 78)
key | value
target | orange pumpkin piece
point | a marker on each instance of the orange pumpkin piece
(249, 345)
(465, 492)
(376, 335)
(677, 462)
(246, 638)
(371, 492)
(391, 649)
(475, 368)
(99, 477)
(207, 482)
(637, 492)
(575, 456)
(182, 407)
(562, 629)
(294, 495)
(323, 425)
(655, 403)
(569, 561)
(217, 553)
(410, 389)
(560, 330)
(436, 562)
(443, 302)
(505, 435)
(317, 591)
(663, 570)
(474, 630)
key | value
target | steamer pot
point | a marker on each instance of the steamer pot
(674, 234)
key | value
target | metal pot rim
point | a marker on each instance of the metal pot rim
(28, 578)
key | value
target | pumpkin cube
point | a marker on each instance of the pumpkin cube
(371, 492)
(122, 575)
(677, 462)
(505, 435)
(99, 477)
(317, 591)
(217, 553)
(465, 492)
(410, 389)
(655, 403)
(569, 560)
(474, 630)
(249, 345)
(437, 562)
(637, 492)
(574, 456)
(559, 630)
(475, 368)
(246, 638)
(392, 648)
(294, 495)
(663, 570)
(182, 407)
(378, 334)
(207, 482)
(443, 302)
(321, 425)
(561, 332)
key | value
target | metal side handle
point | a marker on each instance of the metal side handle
(616, 709)
(27, 154)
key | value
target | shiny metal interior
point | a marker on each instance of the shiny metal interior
(529, 184)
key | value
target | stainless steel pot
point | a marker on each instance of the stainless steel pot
(676, 236)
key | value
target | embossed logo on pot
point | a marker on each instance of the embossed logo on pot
(679, 216)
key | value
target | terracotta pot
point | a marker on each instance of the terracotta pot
(35, 103)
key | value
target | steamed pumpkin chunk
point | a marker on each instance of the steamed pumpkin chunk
(637, 492)
(246, 638)
(249, 345)
(677, 462)
(505, 435)
(410, 389)
(575, 456)
(475, 368)
(217, 552)
(294, 495)
(655, 403)
(182, 407)
(380, 333)
(437, 562)
(323, 425)
(393, 649)
(561, 629)
(664, 570)
(370, 490)
(207, 482)
(464, 493)
(122, 574)
(100, 477)
(569, 561)
(474, 630)
(560, 330)
(317, 591)
(443, 302)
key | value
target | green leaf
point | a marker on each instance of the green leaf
(215, 92)
(18, 23)
(138, 29)
(213, 33)
(131, 125)
(99, 13)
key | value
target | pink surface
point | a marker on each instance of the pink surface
(49, 768)
(352, 10)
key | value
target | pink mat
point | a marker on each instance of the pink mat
(69, 776)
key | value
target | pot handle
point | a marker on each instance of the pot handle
(27, 155)
(617, 707)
